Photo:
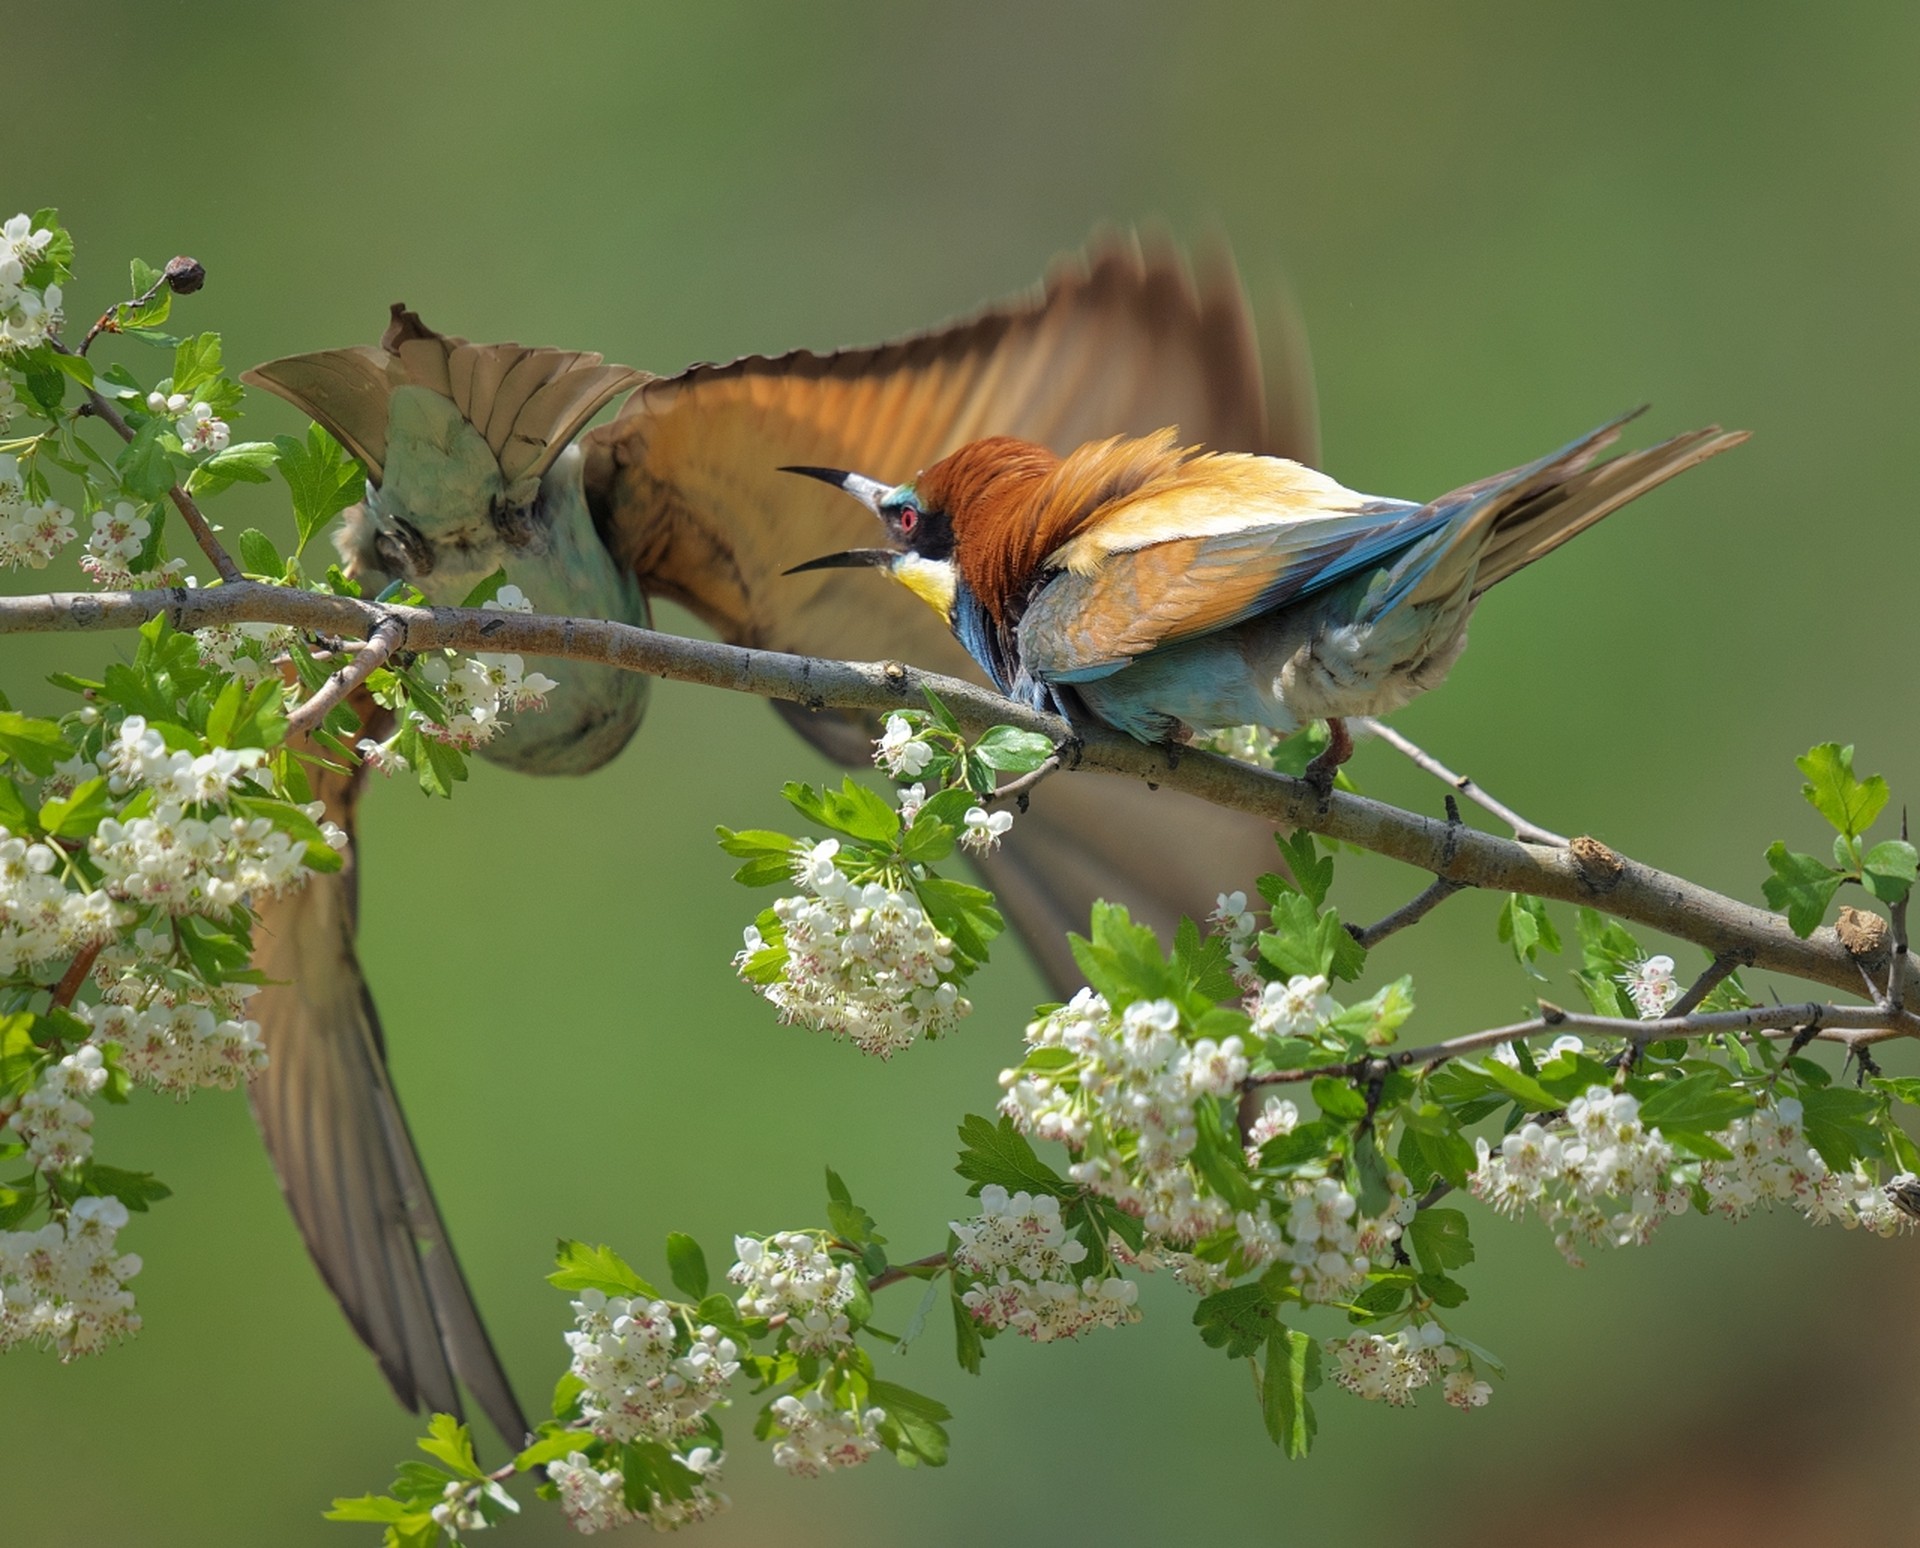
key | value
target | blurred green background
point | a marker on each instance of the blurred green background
(1503, 223)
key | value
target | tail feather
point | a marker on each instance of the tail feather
(1506, 522)
(527, 404)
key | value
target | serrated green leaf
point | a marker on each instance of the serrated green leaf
(999, 1153)
(687, 1264)
(1849, 804)
(75, 816)
(1699, 1103)
(1841, 1123)
(1440, 1240)
(36, 745)
(321, 479)
(1800, 886)
(597, 1268)
(1292, 1370)
(1008, 750)
(1888, 870)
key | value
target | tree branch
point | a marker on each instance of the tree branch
(386, 637)
(1853, 1026)
(1584, 871)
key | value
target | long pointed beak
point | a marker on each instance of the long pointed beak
(868, 491)
(852, 559)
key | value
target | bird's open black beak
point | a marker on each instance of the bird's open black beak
(852, 559)
(868, 491)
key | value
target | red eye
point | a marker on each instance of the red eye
(909, 519)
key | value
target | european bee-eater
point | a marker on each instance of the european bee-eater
(470, 466)
(1165, 589)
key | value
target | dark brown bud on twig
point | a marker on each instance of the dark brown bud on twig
(184, 275)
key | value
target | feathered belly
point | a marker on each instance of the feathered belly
(1281, 672)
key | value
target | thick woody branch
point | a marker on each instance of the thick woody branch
(1584, 871)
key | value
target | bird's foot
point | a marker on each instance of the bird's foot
(1325, 768)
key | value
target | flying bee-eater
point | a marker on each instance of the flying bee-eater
(473, 465)
(1164, 589)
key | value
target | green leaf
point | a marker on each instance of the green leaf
(1525, 925)
(1376, 1019)
(1310, 872)
(36, 745)
(968, 1349)
(1700, 1103)
(919, 1420)
(963, 913)
(1841, 1123)
(1292, 1370)
(196, 360)
(136, 1190)
(852, 810)
(447, 1441)
(850, 1222)
(687, 1264)
(1800, 886)
(597, 1268)
(374, 1507)
(1440, 1240)
(259, 557)
(1303, 942)
(487, 589)
(554, 1444)
(320, 477)
(1012, 751)
(143, 465)
(1528, 1091)
(1239, 1319)
(1122, 960)
(999, 1153)
(1849, 804)
(77, 815)
(1888, 871)
(244, 462)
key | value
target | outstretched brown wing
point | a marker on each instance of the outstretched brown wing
(340, 1146)
(686, 488)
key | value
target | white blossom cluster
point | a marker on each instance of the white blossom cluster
(1018, 1249)
(63, 1285)
(812, 1436)
(897, 751)
(32, 532)
(1234, 922)
(983, 829)
(27, 316)
(1611, 1179)
(1391, 1368)
(1247, 744)
(244, 649)
(1295, 1008)
(41, 917)
(459, 1508)
(639, 1383)
(790, 1275)
(863, 962)
(1277, 1116)
(1650, 985)
(181, 1043)
(52, 1118)
(1329, 1245)
(1772, 1163)
(116, 540)
(594, 1499)
(1125, 1107)
(480, 690)
(195, 423)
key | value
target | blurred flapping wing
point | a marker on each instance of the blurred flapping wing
(686, 489)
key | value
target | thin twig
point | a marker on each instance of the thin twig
(1723, 966)
(76, 975)
(1018, 789)
(1852, 1026)
(1586, 873)
(1527, 832)
(386, 638)
(1437, 892)
(109, 321)
(900, 1271)
(183, 502)
(1900, 957)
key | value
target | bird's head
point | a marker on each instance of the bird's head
(922, 556)
(965, 516)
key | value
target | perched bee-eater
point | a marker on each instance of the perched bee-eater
(1165, 589)
(473, 465)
